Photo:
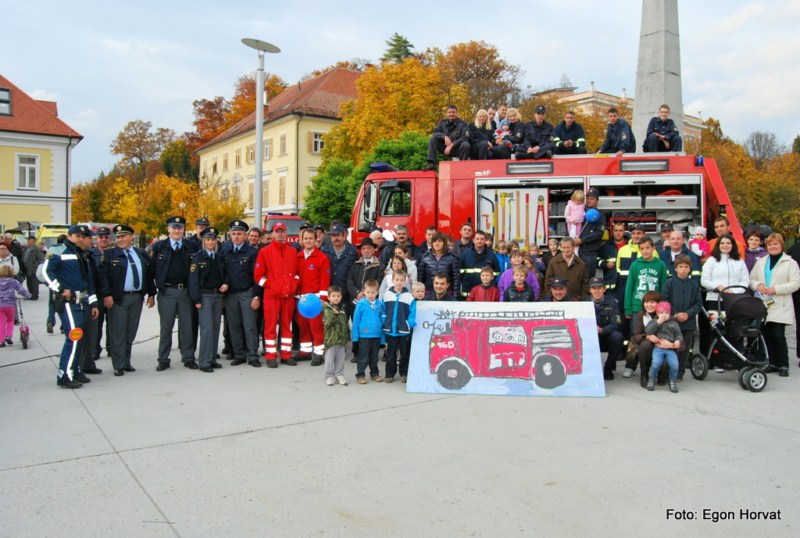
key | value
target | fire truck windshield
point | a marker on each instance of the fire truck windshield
(442, 326)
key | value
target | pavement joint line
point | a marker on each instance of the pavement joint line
(114, 451)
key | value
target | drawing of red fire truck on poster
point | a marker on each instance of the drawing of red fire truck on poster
(512, 345)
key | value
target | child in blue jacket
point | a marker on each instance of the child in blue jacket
(368, 332)
(401, 311)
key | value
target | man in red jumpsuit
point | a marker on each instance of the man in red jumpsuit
(276, 273)
(314, 269)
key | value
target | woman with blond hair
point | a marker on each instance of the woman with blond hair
(481, 136)
(517, 136)
(776, 276)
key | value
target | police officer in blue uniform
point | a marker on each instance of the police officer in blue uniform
(206, 286)
(104, 243)
(244, 295)
(69, 276)
(126, 276)
(172, 258)
(609, 324)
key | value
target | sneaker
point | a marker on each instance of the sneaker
(651, 384)
(2, 344)
(673, 386)
(49, 328)
(719, 370)
(404, 379)
(330, 382)
(388, 380)
(362, 381)
(627, 373)
(377, 378)
(341, 380)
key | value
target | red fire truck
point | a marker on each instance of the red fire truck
(525, 200)
(542, 350)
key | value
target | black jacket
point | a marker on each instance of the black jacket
(115, 267)
(619, 137)
(458, 130)
(162, 254)
(448, 264)
(539, 135)
(513, 295)
(574, 132)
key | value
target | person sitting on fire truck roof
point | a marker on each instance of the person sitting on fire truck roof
(568, 136)
(569, 267)
(558, 292)
(619, 137)
(517, 138)
(481, 136)
(538, 138)
(662, 133)
(451, 136)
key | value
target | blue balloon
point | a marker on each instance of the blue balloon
(592, 215)
(309, 306)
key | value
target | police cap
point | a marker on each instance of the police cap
(558, 282)
(122, 229)
(210, 233)
(80, 229)
(597, 281)
(176, 221)
(238, 225)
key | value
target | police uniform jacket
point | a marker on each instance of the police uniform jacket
(114, 269)
(539, 135)
(199, 274)
(238, 267)
(457, 130)
(162, 254)
(607, 314)
(70, 270)
(574, 132)
(619, 137)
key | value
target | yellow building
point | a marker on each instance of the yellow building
(35, 159)
(593, 101)
(295, 124)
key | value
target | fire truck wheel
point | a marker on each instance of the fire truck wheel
(453, 375)
(699, 367)
(549, 373)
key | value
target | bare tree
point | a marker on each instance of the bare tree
(763, 146)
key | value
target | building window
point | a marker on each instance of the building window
(224, 162)
(214, 167)
(265, 191)
(251, 197)
(5, 101)
(238, 158)
(267, 149)
(251, 153)
(282, 189)
(283, 144)
(315, 142)
(27, 172)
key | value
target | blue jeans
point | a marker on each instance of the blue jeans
(659, 356)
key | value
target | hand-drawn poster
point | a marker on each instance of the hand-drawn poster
(519, 349)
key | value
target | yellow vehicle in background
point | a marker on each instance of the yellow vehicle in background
(48, 233)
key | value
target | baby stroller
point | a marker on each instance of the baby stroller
(24, 330)
(737, 342)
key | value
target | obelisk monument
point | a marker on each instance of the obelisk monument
(658, 76)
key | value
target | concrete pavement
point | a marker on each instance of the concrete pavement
(260, 452)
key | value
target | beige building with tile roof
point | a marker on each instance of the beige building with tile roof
(295, 124)
(35, 159)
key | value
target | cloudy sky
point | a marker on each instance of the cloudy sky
(107, 63)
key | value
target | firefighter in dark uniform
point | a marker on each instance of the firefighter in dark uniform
(126, 276)
(619, 137)
(538, 138)
(206, 287)
(244, 295)
(69, 277)
(609, 324)
(451, 136)
(591, 235)
(172, 258)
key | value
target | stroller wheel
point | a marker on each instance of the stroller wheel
(756, 380)
(24, 340)
(699, 367)
(742, 373)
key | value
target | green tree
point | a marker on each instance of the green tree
(796, 144)
(333, 191)
(176, 160)
(399, 48)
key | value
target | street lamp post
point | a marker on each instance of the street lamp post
(261, 47)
